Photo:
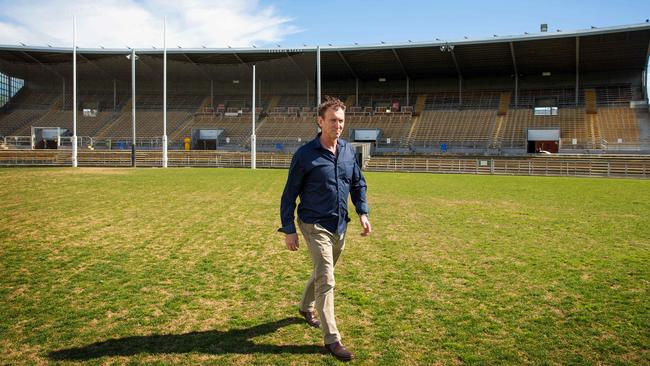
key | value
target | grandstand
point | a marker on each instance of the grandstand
(476, 97)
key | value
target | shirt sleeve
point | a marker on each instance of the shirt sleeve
(358, 191)
(291, 190)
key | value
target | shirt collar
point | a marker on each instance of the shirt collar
(317, 145)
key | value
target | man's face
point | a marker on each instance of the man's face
(332, 123)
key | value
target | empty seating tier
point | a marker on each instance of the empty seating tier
(454, 126)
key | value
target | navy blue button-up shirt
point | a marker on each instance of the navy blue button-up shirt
(323, 181)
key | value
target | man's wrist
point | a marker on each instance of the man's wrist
(287, 230)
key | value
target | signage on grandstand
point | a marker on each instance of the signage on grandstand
(366, 134)
(546, 111)
(205, 134)
(543, 135)
(290, 50)
(87, 112)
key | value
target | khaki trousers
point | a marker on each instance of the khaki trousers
(324, 249)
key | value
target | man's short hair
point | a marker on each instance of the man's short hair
(330, 102)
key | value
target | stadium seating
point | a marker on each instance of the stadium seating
(470, 100)
(570, 121)
(485, 118)
(454, 127)
(238, 129)
(393, 126)
(148, 125)
(614, 95)
(17, 120)
(618, 123)
(86, 126)
(286, 128)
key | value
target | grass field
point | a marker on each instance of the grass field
(184, 266)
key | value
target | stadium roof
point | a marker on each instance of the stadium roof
(591, 50)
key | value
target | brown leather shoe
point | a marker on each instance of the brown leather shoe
(339, 351)
(310, 318)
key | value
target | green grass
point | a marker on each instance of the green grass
(184, 266)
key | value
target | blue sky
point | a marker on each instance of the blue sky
(345, 22)
(242, 23)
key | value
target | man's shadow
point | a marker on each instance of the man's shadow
(210, 342)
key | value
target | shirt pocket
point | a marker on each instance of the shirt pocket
(347, 169)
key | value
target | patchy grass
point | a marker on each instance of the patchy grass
(184, 266)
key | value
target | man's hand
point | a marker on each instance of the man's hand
(365, 224)
(292, 241)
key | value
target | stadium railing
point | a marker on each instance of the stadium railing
(588, 166)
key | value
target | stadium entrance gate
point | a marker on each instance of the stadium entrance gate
(47, 137)
(205, 138)
(543, 140)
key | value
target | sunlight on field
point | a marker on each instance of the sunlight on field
(185, 266)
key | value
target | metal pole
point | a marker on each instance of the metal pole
(318, 96)
(356, 82)
(644, 82)
(74, 92)
(407, 90)
(253, 139)
(114, 94)
(212, 95)
(516, 90)
(10, 85)
(164, 138)
(133, 105)
(577, 66)
(259, 94)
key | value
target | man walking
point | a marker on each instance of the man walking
(323, 173)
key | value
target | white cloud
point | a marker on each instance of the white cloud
(120, 23)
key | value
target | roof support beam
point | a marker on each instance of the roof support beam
(145, 61)
(43, 65)
(249, 67)
(399, 61)
(401, 65)
(514, 65)
(240, 60)
(296, 65)
(204, 73)
(108, 75)
(304, 75)
(460, 77)
(347, 64)
(196, 66)
(51, 69)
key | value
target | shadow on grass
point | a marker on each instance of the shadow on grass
(210, 342)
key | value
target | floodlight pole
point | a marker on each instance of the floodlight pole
(253, 138)
(133, 105)
(164, 138)
(74, 92)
